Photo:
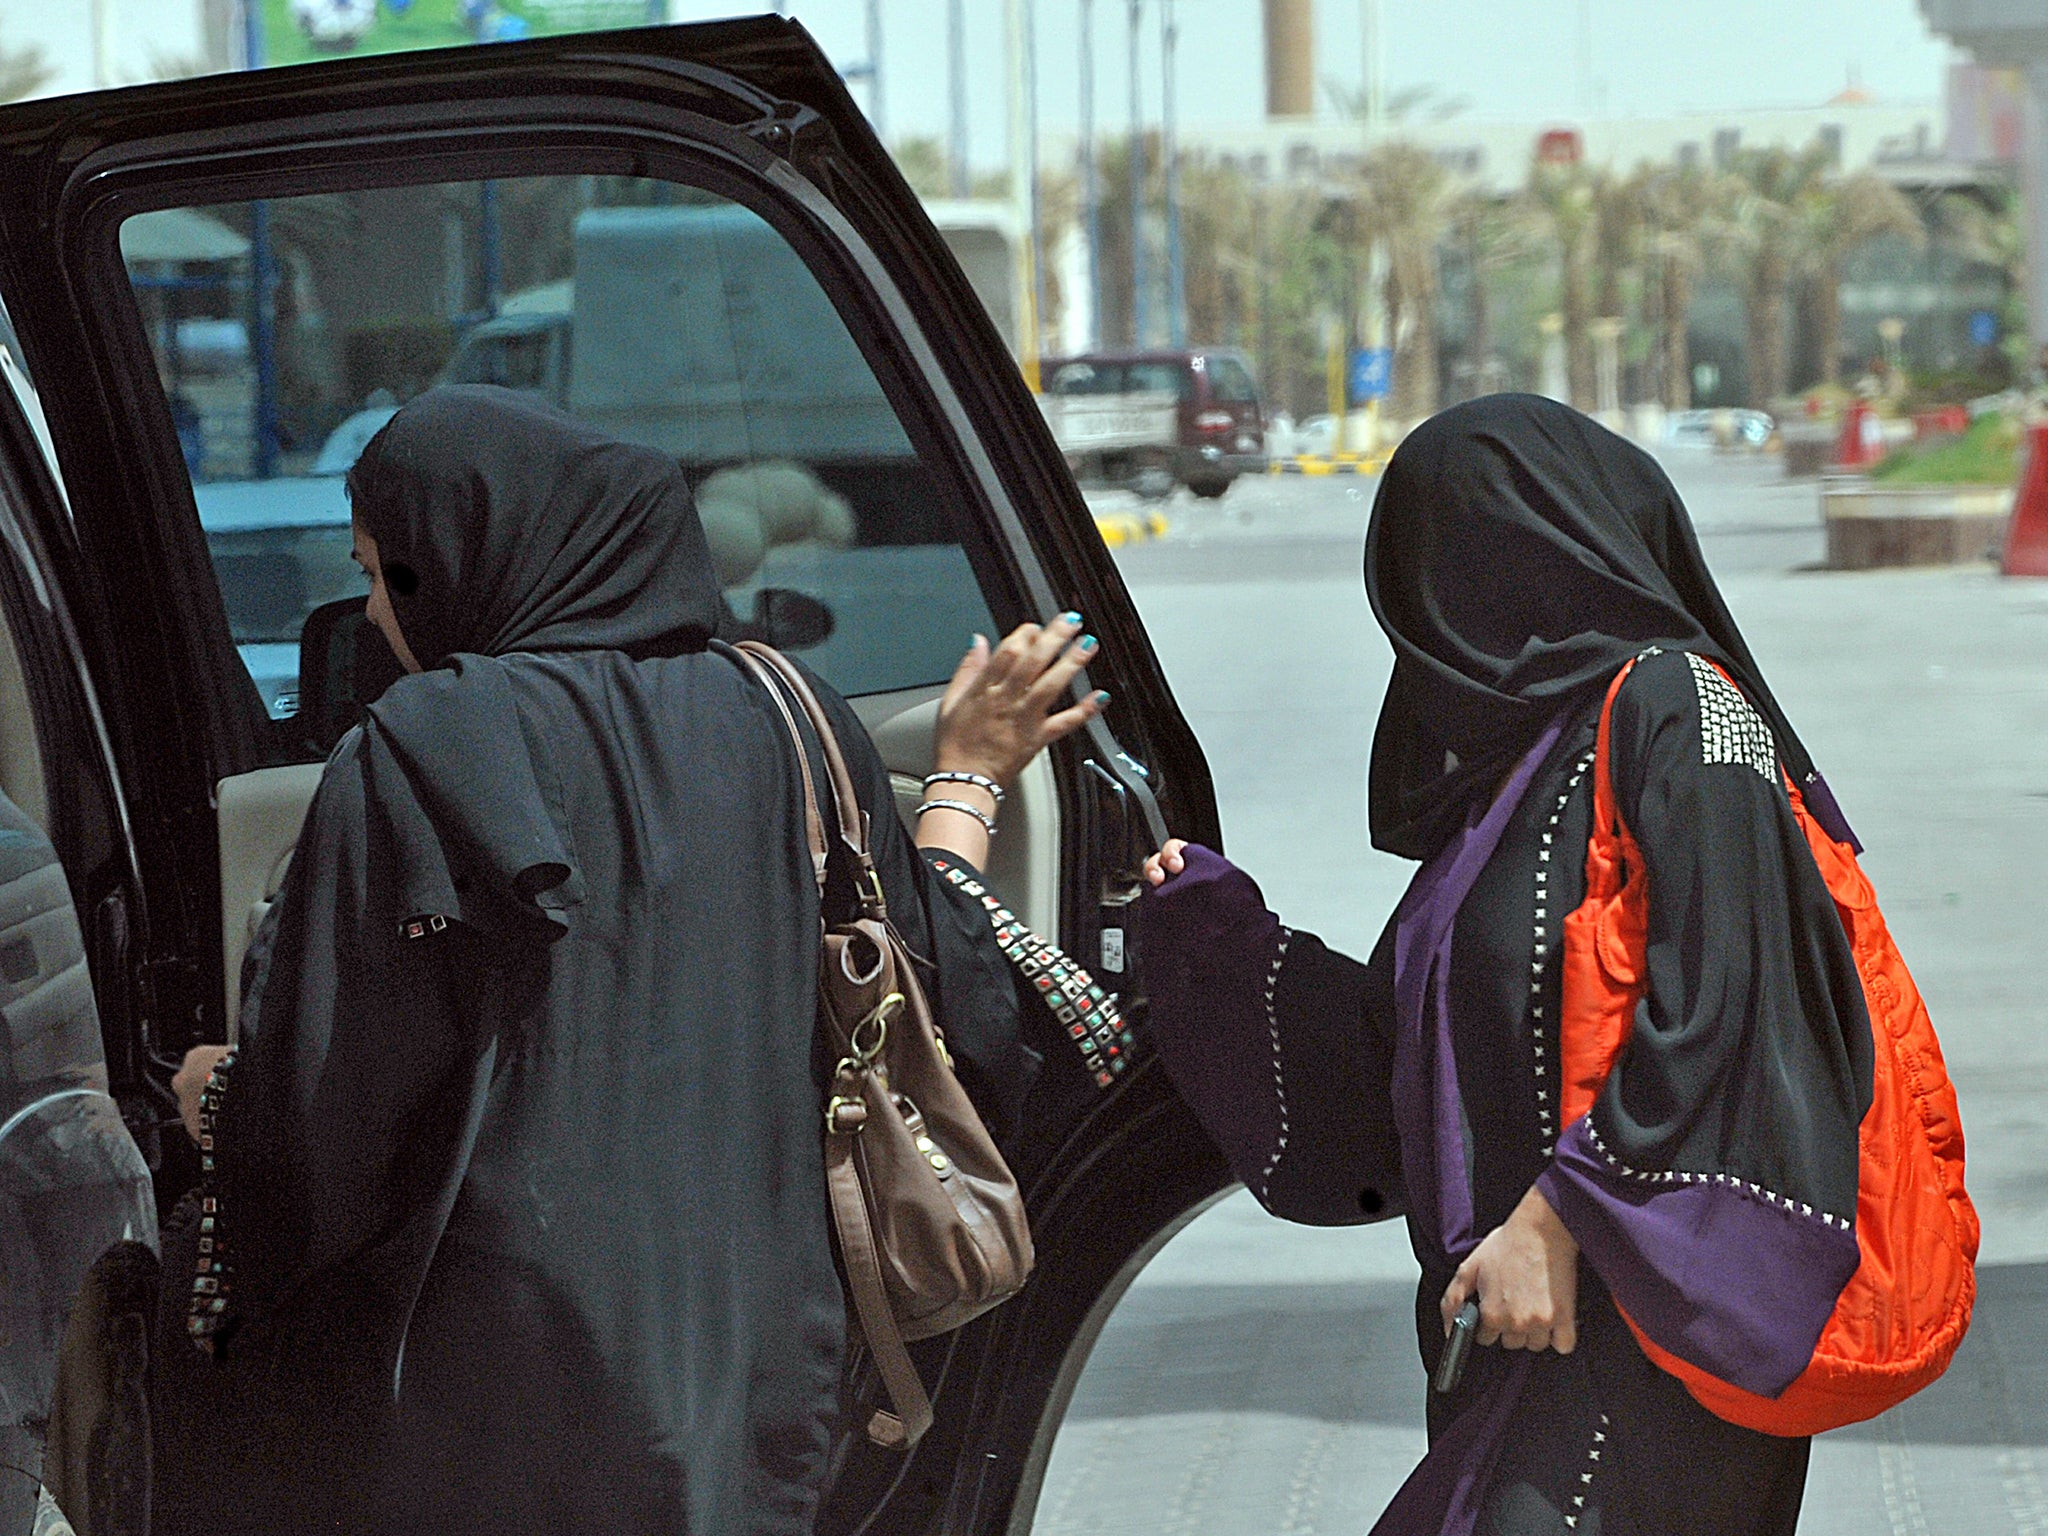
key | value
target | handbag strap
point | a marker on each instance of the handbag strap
(814, 823)
(863, 1261)
(853, 821)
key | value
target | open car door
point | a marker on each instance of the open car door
(74, 1178)
(687, 235)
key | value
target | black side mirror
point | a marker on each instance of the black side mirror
(790, 621)
(345, 663)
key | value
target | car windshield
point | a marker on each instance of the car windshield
(1086, 379)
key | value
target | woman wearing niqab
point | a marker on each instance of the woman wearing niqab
(516, 1172)
(1520, 556)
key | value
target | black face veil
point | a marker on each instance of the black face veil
(1519, 554)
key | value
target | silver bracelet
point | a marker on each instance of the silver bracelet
(978, 780)
(987, 821)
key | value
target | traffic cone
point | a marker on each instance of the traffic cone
(1862, 441)
(2026, 536)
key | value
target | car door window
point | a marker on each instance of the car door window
(1087, 379)
(286, 332)
(1160, 379)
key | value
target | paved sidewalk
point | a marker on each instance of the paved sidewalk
(1261, 1378)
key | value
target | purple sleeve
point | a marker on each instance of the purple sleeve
(1726, 1275)
(1271, 1039)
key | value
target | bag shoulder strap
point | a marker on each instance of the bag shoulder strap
(1607, 822)
(859, 1249)
(853, 821)
(814, 823)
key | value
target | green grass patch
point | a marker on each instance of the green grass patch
(1987, 454)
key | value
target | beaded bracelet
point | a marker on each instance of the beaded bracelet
(978, 780)
(987, 821)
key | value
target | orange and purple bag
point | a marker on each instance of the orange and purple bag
(1898, 1321)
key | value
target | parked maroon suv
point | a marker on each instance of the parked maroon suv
(1152, 420)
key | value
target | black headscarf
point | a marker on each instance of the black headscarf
(505, 525)
(1519, 554)
(523, 1140)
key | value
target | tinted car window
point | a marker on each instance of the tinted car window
(1175, 379)
(694, 327)
(1086, 379)
(1230, 380)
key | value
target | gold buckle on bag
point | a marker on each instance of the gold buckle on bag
(845, 1116)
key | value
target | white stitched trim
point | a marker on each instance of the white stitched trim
(1769, 1197)
(1279, 1078)
(1540, 956)
(1586, 1477)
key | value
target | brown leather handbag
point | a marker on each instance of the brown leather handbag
(930, 1220)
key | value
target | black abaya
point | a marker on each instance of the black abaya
(1749, 994)
(517, 1178)
(1519, 557)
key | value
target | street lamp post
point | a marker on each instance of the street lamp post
(956, 86)
(1169, 148)
(1024, 176)
(1091, 193)
(1031, 185)
(1373, 61)
(1137, 170)
(875, 105)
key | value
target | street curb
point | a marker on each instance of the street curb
(1121, 528)
(1332, 463)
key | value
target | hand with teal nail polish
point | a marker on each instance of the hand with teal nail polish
(1006, 704)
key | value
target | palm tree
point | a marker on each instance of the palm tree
(925, 165)
(1220, 249)
(1768, 224)
(1838, 219)
(1560, 200)
(1117, 319)
(1984, 228)
(1408, 212)
(1619, 218)
(1490, 236)
(1687, 210)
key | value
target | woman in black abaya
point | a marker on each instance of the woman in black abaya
(514, 1216)
(1519, 557)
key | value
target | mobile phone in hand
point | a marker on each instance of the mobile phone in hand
(1450, 1365)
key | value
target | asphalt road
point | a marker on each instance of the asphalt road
(1260, 1379)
